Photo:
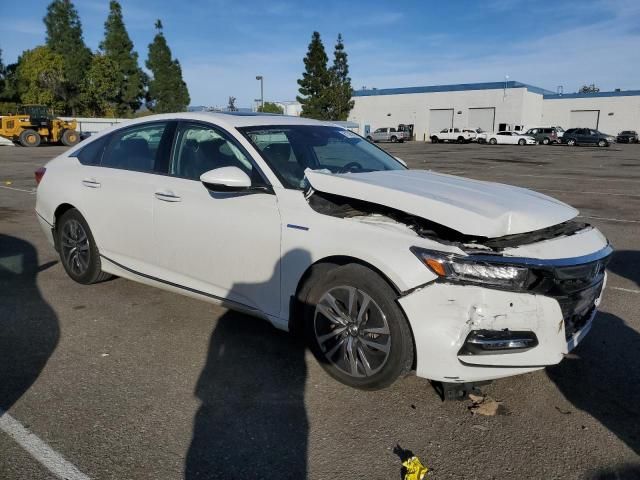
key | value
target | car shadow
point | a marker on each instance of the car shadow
(626, 263)
(29, 329)
(252, 421)
(601, 378)
(623, 472)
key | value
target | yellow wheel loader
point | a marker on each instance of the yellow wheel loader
(33, 124)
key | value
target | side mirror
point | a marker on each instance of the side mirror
(226, 179)
(401, 161)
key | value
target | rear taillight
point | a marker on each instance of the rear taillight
(39, 173)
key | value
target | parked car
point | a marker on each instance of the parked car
(583, 136)
(386, 135)
(544, 135)
(559, 131)
(307, 225)
(627, 136)
(453, 135)
(510, 138)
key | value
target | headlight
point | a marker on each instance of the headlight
(457, 268)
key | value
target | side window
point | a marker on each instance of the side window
(136, 148)
(456, 130)
(379, 130)
(91, 154)
(392, 129)
(200, 148)
(446, 130)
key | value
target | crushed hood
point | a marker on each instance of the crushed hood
(472, 207)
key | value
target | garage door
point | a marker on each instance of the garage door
(584, 119)
(440, 118)
(483, 118)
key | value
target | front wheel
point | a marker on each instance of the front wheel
(369, 138)
(461, 140)
(571, 142)
(434, 139)
(546, 141)
(78, 252)
(522, 142)
(603, 143)
(394, 139)
(356, 329)
(70, 138)
(493, 141)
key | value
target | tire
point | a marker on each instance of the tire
(461, 140)
(30, 138)
(369, 138)
(394, 139)
(603, 143)
(70, 138)
(546, 141)
(522, 142)
(493, 141)
(572, 142)
(434, 139)
(388, 351)
(78, 252)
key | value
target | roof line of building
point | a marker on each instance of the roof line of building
(622, 93)
(451, 88)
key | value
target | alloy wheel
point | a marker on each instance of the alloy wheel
(75, 247)
(352, 331)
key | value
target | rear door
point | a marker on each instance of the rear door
(118, 195)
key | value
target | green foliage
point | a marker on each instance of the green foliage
(314, 81)
(589, 89)
(40, 77)
(167, 90)
(340, 91)
(64, 37)
(270, 107)
(100, 92)
(118, 48)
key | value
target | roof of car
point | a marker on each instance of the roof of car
(235, 119)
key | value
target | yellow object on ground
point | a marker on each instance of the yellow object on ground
(415, 469)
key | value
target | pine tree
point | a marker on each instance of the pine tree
(167, 90)
(64, 37)
(340, 103)
(315, 81)
(118, 47)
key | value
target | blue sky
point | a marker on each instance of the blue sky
(223, 44)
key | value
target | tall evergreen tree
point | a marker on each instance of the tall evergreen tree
(315, 81)
(340, 103)
(118, 47)
(64, 37)
(167, 90)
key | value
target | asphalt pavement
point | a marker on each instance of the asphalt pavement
(123, 381)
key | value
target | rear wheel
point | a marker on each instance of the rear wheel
(78, 251)
(522, 142)
(370, 138)
(70, 138)
(30, 138)
(434, 139)
(546, 141)
(356, 329)
(460, 139)
(493, 141)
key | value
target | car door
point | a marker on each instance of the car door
(118, 194)
(223, 244)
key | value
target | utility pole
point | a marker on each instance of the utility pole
(259, 77)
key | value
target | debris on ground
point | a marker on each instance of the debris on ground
(412, 467)
(484, 405)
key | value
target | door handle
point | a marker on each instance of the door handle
(167, 196)
(90, 182)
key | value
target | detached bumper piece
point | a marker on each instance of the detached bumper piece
(488, 342)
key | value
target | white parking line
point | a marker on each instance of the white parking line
(609, 219)
(32, 191)
(49, 458)
(628, 290)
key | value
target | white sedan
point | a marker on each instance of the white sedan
(307, 225)
(510, 138)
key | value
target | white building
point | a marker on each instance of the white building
(493, 106)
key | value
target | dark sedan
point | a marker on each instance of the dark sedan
(585, 136)
(627, 136)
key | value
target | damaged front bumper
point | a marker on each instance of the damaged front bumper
(470, 333)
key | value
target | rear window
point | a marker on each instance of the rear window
(91, 154)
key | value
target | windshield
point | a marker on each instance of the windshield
(289, 150)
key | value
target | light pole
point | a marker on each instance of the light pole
(259, 77)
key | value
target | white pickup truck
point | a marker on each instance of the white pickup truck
(453, 135)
